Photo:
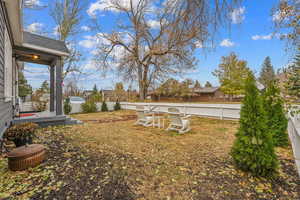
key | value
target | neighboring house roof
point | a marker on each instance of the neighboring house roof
(42, 43)
(107, 90)
(87, 92)
(206, 90)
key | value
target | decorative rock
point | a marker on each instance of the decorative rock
(26, 156)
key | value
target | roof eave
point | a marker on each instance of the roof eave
(46, 50)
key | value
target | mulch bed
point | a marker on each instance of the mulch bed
(110, 120)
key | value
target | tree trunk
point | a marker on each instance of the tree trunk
(141, 93)
(143, 86)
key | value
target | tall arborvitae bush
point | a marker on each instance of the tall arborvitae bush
(253, 149)
(117, 106)
(67, 106)
(89, 107)
(276, 119)
(104, 107)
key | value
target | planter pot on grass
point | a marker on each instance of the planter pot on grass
(26, 156)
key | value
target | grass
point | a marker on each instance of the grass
(148, 163)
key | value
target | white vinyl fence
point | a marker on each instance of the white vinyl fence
(294, 134)
(76, 107)
(221, 111)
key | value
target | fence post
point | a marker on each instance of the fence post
(222, 110)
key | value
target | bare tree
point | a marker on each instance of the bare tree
(71, 88)
(67, 17)
(287, 19)
(153, 41)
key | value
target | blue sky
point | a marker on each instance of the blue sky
(250, 37)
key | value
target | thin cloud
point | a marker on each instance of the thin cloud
(269, 36)
(107, 5)
(90, 65)
(35, 27)
(199, 44)
(153, 24)
(237, 15)
(85, 28)
(88, 42)
(56, 31)
(262, 37)
(32, 3)
(227, 43)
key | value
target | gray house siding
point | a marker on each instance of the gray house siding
(6, 113)
(2, 30)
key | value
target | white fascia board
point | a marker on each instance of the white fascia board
(46, 50)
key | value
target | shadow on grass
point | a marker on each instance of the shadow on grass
(69, 172)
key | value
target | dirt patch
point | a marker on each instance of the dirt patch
(112, 120)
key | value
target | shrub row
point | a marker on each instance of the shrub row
(90, 106)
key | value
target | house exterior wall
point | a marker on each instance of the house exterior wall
(110, 95)
(6, 83)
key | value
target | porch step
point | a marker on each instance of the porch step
(72, 121)
(39, 119)
(49, 121)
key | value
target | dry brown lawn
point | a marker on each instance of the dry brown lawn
(110, 158)
(166, 165)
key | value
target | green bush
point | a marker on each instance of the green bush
(89, 107)
(276, 119)
(104, 107)
(253, 149)
(95, 97)
(117, 106)
(67, 106)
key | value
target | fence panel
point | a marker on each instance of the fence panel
(76, 108)
(222, 111)
(294, 134)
